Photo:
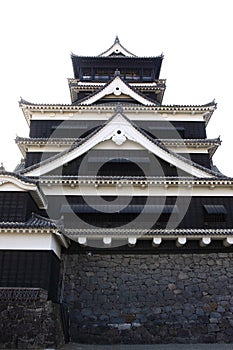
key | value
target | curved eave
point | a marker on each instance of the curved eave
(109, 88)
(24, 142)
(210, 144)
(24, 184)
(137, 58)
(29, 108)
(20, 228)
(132, 132)
(158, 87)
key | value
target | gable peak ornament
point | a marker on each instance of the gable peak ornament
(118, 137)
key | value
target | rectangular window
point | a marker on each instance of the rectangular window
(214, 213)
(132, 74)
(86, 73)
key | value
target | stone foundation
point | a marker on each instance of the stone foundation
(30, 324)
(185, 298)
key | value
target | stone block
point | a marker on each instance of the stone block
(124, 326)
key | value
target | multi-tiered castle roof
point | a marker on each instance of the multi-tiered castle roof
(115, 167)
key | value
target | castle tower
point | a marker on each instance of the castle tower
(117, 213)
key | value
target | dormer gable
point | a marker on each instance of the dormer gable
(117, 50)
(116, 89)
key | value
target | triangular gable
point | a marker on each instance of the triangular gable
(117, 87)
(117, 49)
(119, 128)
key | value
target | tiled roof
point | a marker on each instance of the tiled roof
(20, 177)
(188, 161)
(133, 232)
(158, 83)
(71, 140)
(28, 184)
(171, 142)
(206, 106)
(107, 84)
(48, 160)
(138, 180)
(121, 57)
(117, 41)
(46, 140)
(35, 221)
(154, 141)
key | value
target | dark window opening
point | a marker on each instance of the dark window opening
(214, 213)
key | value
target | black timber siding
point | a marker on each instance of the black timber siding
(155, 166)
(174, 130)
(36, 157)
(113, 63)
(57, 128)
(70, 168)
(16, 206)
(192, 213)
(117, 163)
(81, 128)
(35, 269)
(199, 158)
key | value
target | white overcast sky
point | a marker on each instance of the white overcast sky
(37, 38)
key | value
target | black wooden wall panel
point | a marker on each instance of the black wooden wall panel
(13, 206)
(36, 157)
(191, 210)
(141, 163)
(166, 130)
(79, 128)
(17, 207)
(57, 128)
(199, 158)
(35, 269)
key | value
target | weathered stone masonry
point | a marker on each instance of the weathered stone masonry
(30, 325)
(150, 298)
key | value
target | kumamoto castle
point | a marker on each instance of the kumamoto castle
(116, 227)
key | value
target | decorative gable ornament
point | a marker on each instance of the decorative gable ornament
(117, 49)
(118, 137)
(117, 87)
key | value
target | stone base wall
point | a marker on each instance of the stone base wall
(30, 325)
(185, 298)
